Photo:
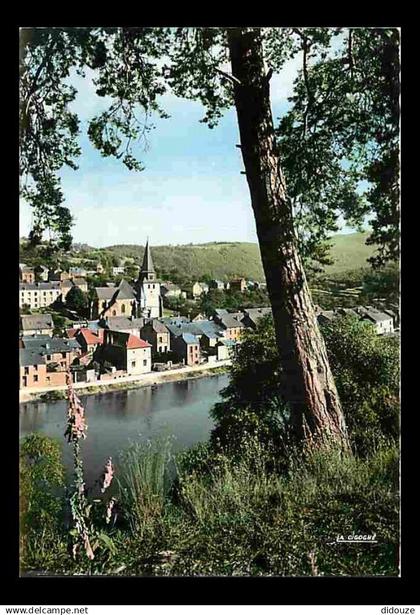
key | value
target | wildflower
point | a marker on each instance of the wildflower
(76, 421)
(109, 509)
(107, 475)
(88, 548)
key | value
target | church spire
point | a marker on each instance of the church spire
(147, 266)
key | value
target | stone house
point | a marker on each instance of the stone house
(33, 371)
(77, 272)
(193, 290)
(168, 289)
(58, 275)
(27, 275)
(58, 352)
(89, 340)
(238, 284)
(231, 325)
(37, 324)
(251, 316)
(118, 271)
(67, 285)
(187, 348)
(217, 284)
(157, 335)
(38, 294)
(126, 352)
(383, 323)
(127, 324)
(224, 349)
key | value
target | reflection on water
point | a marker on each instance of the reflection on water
(179, 409)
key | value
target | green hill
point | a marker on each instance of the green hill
(349, 252)
(226, 260)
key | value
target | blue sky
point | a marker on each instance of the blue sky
(191, 190)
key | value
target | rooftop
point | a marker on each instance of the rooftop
(36, 321)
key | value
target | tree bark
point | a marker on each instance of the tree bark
(307, 383)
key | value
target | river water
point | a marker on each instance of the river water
(178, 409)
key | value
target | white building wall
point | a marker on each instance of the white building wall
(139, 360)
(150, 298)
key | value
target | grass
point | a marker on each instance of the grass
(237, 518)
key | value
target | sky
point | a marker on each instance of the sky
(191, 191)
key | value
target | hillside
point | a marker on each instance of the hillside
(225, 260)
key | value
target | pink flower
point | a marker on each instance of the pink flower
(88, 548)
(107, 475)
(76, 421)
(109, 509)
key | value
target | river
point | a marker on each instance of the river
(179, 409)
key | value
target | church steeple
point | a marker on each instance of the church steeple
(148, 288)
(147, 266)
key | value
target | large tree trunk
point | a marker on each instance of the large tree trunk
(306, 379)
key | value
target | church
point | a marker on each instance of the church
(147, 289)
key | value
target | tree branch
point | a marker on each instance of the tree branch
(231, 78)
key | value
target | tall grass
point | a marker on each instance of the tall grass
(144, 481)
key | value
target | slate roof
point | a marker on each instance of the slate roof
(104, 293)
(230, 322)
(30, 357)
(227, 342)
(43, 344)
(189, 338)
(376, 315)
(157, 326)
(36, 321)
(123, 291)
(147, 265)
(173, 320)
(119, 323)
(210, 329)
(187, 327)
(39, 286)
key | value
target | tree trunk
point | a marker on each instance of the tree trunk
(306, 379)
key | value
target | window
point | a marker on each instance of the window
(123, 309)
(153, 286)
(48, 357)
(36, 368)
(133, 364)
(63, 355)
(26, 370)
(145, 362)
(35, 378)
(160, 339)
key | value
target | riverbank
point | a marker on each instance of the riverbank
(126, 382)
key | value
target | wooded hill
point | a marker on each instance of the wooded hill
(226, 260)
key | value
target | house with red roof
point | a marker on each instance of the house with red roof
(126, 351)
(88, 339)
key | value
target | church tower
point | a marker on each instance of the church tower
(148, 288)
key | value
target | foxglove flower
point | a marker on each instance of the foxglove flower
(76, 421)
(107, 475)
(109, 509)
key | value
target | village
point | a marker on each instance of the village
(128, 334)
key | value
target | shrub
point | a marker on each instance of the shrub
(366, 371)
